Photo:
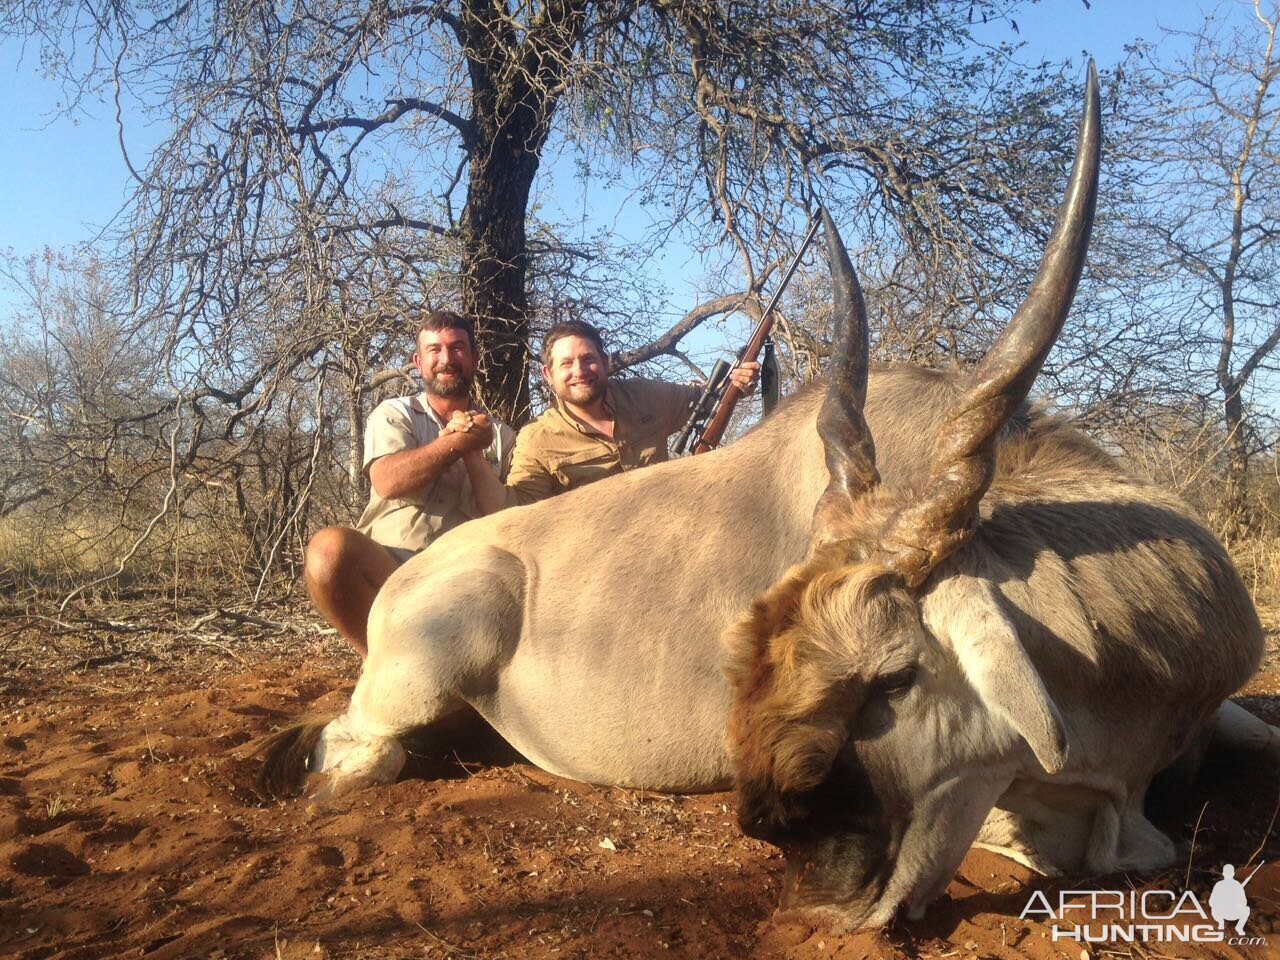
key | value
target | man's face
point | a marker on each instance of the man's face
(577, 372)
(446, 362)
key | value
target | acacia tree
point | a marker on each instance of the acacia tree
(1210, 161)
(388, 141)
(327, 168)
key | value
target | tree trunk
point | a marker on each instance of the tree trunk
(516, 83)
(1236, 500)
(355, 427)
(495, 268)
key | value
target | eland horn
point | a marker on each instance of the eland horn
(850, 451)
(926, 532)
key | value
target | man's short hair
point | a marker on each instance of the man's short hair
(571, 328)
(438, 320)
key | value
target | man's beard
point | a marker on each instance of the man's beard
(459, 386)
(582, 394)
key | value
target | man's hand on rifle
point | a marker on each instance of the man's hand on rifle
(745, 376)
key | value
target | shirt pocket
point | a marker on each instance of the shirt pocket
(648, 445)
(584, 466)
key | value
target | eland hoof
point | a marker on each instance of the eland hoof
(355, 764)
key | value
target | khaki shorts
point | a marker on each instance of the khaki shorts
(398, 554)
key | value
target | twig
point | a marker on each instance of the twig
(207, 642)
(86, 624)
(259, 621)
(164, 510)
(85, 663)
(458, 951)
(1266, 836)
(463, 764)
(303, 498)
(201, 621)
(1186, 883)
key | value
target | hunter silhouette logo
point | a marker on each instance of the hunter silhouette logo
(1148, 916)
(1228, 901)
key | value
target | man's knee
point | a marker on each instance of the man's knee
(331, 555)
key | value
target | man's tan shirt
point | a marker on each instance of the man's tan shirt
(413, 521)
(557, 452)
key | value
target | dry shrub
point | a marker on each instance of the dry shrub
(1259, 561)
(37, 551)
(210, 544)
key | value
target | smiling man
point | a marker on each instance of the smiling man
(598, 426)
(423, 456)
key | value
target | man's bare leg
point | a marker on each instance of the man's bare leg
(344, 572)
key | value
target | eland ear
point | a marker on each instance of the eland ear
(964, 614)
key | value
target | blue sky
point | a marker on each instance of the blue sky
(62, 180)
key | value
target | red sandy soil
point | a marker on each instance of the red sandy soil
(130, 826)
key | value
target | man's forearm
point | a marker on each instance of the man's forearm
(491, 493)
(406, 472)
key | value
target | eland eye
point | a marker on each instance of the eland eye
(897, 683)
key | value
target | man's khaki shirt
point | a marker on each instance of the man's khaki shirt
(413, 521)
(557, 452)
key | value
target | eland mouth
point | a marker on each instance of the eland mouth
(841, 883)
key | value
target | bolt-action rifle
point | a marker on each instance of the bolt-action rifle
(710, 415)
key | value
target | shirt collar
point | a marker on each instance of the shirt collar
(430, 411)
(577, 424)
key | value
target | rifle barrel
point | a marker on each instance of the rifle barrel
(791, 267)
(708, 438)
(1255, 870)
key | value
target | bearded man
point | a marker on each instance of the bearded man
(597, 426)
(425, 457)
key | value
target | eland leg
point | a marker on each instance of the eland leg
(439, 631)
(1237, 732)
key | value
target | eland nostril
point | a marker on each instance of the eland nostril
(800, 868)
(814, 882)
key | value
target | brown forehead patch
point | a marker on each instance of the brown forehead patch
(788, 658)
(796, 687)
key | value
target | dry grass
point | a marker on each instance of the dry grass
(199, 558)
(1258, 558)
(1188, 460)
(1253, 540)
(45, 550)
